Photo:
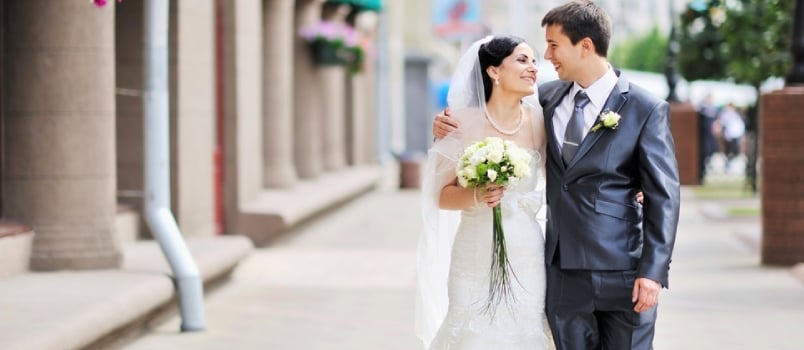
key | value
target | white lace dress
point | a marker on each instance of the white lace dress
(523, 325)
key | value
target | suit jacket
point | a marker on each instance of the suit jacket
(593, 216)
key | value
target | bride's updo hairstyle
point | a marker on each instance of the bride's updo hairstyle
(492, 53)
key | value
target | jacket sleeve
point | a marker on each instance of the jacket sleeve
(658, 171)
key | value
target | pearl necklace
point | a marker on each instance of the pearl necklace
(506, 132)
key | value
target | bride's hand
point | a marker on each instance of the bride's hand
(640, 197)
(491, 195)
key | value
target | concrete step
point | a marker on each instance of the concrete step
(15, 248)
(100, 309)
(276, 210)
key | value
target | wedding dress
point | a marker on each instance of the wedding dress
(455, 252)
(455, 248)
(516, 326)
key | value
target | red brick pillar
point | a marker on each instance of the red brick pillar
(782, 176)
(684, 125)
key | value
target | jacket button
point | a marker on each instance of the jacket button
(565, 188)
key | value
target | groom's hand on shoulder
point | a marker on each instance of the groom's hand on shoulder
(645, 294)
(443, 124)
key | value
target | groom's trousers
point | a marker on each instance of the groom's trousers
(592, 310)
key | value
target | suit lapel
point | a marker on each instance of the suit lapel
(550, 110)
(614, 103)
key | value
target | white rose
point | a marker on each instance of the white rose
(463, 181)
(477, 158)
(496, 155)
(521, 171)
(491, 174)
(471, 172)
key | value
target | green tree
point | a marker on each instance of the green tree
(645, 53)
(743, 40)
(701, 53)
(756, 36)
(757, 41)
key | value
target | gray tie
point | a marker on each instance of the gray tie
(574, 132)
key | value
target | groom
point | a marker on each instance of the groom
(607, 257)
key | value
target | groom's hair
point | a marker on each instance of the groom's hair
(493, 53)
(582, 19)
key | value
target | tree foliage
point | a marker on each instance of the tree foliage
(757, 40)
(645, 53)
(701, 46)
(744, 40)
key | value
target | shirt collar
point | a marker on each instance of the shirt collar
(600, 90)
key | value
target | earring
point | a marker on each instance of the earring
(496, 81)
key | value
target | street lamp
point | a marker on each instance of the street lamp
(796, 76)
(670, 72)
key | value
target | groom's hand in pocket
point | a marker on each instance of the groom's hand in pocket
(645, 294)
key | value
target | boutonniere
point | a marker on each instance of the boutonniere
(608, 120)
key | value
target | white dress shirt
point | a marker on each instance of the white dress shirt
(598, 93)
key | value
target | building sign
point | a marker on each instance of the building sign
(457, 19)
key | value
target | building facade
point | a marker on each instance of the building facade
(261, 136)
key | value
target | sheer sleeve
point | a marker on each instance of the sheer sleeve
(435, 242)
(467, 103)
(540, 143)
(539, 132)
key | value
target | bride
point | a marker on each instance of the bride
(492, 93)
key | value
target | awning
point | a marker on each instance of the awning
(369, 5)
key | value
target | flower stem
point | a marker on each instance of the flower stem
(500, 290)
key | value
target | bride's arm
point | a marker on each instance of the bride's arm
(455, 197)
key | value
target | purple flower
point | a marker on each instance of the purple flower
(334, 33)
(352, 39)
(102, 3)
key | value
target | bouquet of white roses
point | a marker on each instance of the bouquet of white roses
(500, 162)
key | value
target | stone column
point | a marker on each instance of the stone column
(307, 128)
(278, 36)
(60, 125)
(333, 113)
(372, 117)
(2, 108)
(357, 140)
(243, 100)
(361, 128)
(783, 161)
(192, 114)
(333, 85)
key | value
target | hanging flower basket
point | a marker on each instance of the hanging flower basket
(102, 3)
(334, 44)
(329, 54)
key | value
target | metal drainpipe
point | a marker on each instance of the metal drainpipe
(157, 168)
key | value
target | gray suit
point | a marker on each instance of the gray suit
(599, 239)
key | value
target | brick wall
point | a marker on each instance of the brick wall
(782, 176)
(684, 125)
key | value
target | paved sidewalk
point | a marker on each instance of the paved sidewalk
(346, 279)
